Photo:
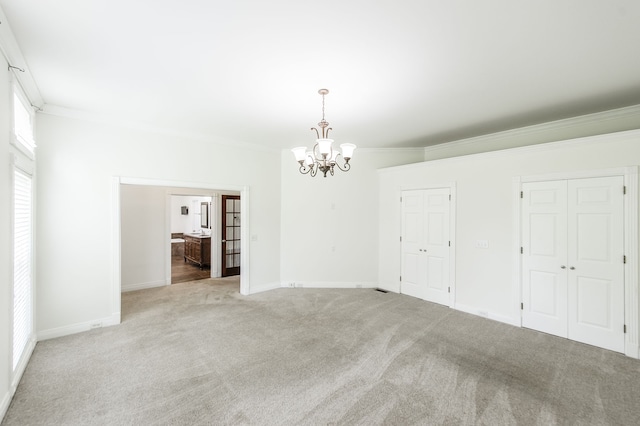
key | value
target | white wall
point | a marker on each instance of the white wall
(143, 236)
(330, 225)
(485, 211)
(79, 160)
(185, 223)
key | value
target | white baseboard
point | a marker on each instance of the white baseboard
(392, 287)
(264, 287)
(113, 319)
(327, 284)
(143, 286)
(4, 405)
(15, 380)
(486, 314)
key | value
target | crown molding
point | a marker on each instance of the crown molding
(12, 53)
(538, 129)
(546, 146)
(75, 114)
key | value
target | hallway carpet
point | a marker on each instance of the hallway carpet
(200, 353)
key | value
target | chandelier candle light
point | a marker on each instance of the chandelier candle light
(323, 156)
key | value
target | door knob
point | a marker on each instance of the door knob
(572, 268)
(563, 267)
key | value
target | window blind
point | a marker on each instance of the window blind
(22, 248)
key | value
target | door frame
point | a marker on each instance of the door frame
(630, 211)
(116, 267)
(223, 224)
(452, 232)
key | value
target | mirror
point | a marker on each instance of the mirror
(204, 215)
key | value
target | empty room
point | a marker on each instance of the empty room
(285, 212)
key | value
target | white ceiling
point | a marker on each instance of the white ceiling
(401, 73)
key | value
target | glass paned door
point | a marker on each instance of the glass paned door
(230, 235)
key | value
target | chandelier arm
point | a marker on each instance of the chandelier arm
(305, 170)
(318, 134)
(327, 134)
(346, 167)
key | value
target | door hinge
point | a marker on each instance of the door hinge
(624, 328)
(521, 305)
(624, 259)
(521, 194)
(521, 250)
(449, 197)
(400, 199)
(400, 278)
(624, 190)
(400, 238)
(449, 243)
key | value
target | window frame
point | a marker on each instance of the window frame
(25, 146)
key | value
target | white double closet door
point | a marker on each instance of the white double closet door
(572, 264)
(425, 244)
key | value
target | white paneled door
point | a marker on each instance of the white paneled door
(425, 244)
(544, 241)
(573, 259)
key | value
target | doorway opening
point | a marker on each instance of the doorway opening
(130, 260)
(191, 236)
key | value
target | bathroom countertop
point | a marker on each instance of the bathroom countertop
(198, 235)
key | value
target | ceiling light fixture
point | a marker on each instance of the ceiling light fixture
(323, 156)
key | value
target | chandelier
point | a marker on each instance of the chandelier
(323, 156)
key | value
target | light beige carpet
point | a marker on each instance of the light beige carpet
(199, 353)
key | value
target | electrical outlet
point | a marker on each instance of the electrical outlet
(292, 285)
(484, 244)
(95, 325)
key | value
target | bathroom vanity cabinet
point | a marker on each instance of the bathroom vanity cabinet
(197, 249)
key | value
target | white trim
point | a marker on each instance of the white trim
(22, 364)
(392, 287)
(4, 405)
(27, 146)
(631, 302)
(17, 376)
(265, 287)
(113, 319)
(550, 127)
(167, 237)
(578, 142)
(143, 286)
(516, 293)
(116, 251)
(329, 284)
(485, 314)
(451, 186)
(245, 282)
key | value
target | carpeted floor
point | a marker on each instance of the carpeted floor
(199, 353)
